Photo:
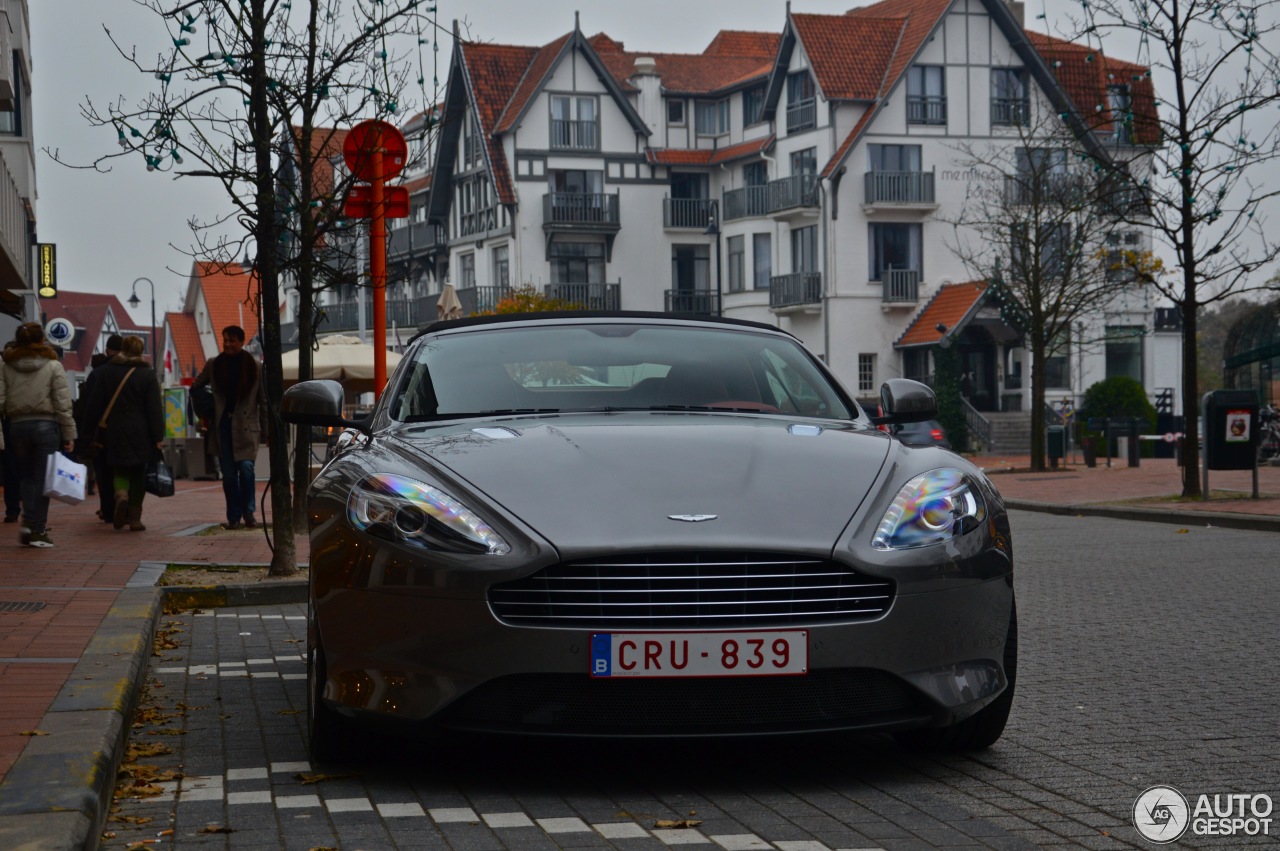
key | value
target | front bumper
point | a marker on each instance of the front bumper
(445, 661)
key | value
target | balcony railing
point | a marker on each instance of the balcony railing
(575, 135)
(580, 208)
(745, 203)
(1047, 189)
(899, 187)
(787, 193)
(599, 296)
(402, 312)
(481, 221)
(477, 299)
(1010, 112)
(700, 302)
(802, 115)
(415, 238)
(901, 286)
(926, 109)
(795, 289)
(691, 213)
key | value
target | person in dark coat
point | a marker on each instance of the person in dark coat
(93, 459)
(135, 428)
(239, 421)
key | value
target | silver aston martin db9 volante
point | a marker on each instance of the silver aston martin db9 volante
(637, 524)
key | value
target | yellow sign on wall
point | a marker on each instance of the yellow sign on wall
(47, 269)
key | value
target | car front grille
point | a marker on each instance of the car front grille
(575, 703)
(691, 590)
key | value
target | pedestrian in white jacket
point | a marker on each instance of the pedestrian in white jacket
(34, 395)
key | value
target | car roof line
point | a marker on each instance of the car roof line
(652, 316)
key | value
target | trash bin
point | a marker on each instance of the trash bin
(1055, 444)
(1089, 446)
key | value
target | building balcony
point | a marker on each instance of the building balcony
(1168, 319)
(901, 286)
(575, 135)
(899, 188)
(476, 299)
(745, 203)
(797, 289)
(15, 248)
(791, 195)
(686, 213)
(401, 312)
(1010, 112)
(1049, 189)
(414, 239)
(802, 115)
(698, 302)
(584, 212)
(925, 109)
(585, 296)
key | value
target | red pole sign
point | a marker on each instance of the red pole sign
(376, 151)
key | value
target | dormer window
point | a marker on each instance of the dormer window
(753, 106)
(675, 112)
(802, 105)
(575, 123)
(1120, 100)
(926, 95)
(713, 117)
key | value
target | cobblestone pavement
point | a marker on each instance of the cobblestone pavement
(1147, 658)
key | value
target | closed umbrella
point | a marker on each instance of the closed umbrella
(448, 306)
(342, 358)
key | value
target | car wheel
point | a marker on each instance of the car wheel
(982, 729)
(326, 731)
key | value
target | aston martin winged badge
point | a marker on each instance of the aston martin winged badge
(692, 518)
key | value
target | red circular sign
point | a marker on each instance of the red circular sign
(369, 136)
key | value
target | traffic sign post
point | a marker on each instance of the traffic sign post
(375, 151)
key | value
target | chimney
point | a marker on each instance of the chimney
(646, 65)
(649, 101)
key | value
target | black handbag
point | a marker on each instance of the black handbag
(159, 479)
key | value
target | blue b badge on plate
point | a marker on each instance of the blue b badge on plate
(601, 654)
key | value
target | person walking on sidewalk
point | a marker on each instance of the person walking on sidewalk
(101, 469)
(239, 420)
(135, 428)
(36, 398)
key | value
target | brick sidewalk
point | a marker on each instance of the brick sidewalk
(79, 580)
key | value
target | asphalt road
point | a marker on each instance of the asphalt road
(1148, 657)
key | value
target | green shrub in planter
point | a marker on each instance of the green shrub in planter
(1118, 396)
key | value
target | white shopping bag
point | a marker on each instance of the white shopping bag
(64, 479)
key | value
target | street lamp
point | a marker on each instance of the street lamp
(713, 229)
(134, 301)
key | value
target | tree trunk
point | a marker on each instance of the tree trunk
(1190, 391)
(302, 451)
(284, 554)
(1037, 409)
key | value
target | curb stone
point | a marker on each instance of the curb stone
(1221, 519)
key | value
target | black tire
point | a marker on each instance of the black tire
(327, 733)
(982, 729)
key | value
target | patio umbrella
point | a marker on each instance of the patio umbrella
(448, 306)
(342, 358)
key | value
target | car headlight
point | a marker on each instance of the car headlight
(934, 506)
(408, 511)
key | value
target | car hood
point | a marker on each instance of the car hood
(589, 482)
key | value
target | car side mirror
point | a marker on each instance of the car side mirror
(905, 401)
(318, 403)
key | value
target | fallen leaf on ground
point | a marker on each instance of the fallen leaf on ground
(33, 733)
(215, 828)
(308, 779)
(290, 712)
(677, 824)
(132, 819)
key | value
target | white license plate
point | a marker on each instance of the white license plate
(699, 654)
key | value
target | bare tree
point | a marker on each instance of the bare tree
(236, 77)
(1217, 140)
(1036, 225)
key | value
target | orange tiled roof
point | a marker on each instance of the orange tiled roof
(188, 351)
(494, 71)
(1085, 74)
(326, 146)
(538, 68)
(691, 73)
(708, 156)
(833, 41)
(921, 17)
(231, 295)
(88, 311)
(763, 45)
(949, 306)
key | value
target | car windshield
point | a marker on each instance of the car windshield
(562, 367)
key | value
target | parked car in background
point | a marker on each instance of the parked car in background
(632, 524)
(927, 433)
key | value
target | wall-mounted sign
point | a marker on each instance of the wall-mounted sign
(59, 331)
(47, 269)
